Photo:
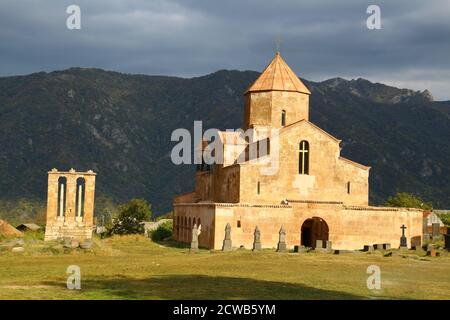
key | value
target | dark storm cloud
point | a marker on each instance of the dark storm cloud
(320, 39)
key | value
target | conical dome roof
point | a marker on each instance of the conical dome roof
(278, 77)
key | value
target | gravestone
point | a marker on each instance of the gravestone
(86, 244)
(227, 240)
(300, 249)
(74, 244)
(328, 245)
(435, 233)
(368, 248)
(282, 240)
(378, 246)
(257, 239)
(403, 240)
(432, 252)
(319, 244)
(194, 241)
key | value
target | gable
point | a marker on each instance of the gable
(305, 124)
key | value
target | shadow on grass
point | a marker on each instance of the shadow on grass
(203, 287)
(173, 244)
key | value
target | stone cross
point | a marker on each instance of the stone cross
(194, 241)
(227, 240)
(257, 239)
(403, 241)
(282, 240)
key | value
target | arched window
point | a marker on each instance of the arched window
(303, 161)
(283, 118)
(62, 191)
(81, 185)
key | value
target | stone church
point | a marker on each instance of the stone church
(315, 193)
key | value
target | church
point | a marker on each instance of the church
(314, 193)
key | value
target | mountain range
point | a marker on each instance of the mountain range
(119, 125)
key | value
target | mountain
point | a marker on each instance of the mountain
(120, 125)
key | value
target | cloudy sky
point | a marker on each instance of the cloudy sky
(320, 39)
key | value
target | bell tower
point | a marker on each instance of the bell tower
(277, 98)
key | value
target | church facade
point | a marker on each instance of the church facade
(313, 192)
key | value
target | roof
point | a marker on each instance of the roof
(356, 164)
(293, 124)
(231, 137)
(432, 218)
(8, 230)
(278, 76)
(31, 226)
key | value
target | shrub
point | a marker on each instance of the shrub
(130, 218)
(163, 231)
(445, 218)
(403, 199)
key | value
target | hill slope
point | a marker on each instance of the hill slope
(119, 125)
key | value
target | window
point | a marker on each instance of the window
(258, 187)
(239, 223)
(348, 187)
(283, 118)
(81, 187)
(303, 161)
(62, 190)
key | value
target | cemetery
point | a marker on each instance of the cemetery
(305, 232)
(134, 267)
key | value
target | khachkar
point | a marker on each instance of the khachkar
(70, 204)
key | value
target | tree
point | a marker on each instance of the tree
(130, 218)
(407, 200)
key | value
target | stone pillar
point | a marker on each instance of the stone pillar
(89, 193)
(52, 196)
(71, 194)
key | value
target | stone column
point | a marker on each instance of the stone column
(71, 194)
(89, 198)
(52, 196)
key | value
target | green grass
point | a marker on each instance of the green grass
(133, 267)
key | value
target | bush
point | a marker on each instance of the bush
(130, 218)
(163, 231)
(406, 200)
(445, 218)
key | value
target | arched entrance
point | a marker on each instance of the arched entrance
(313, 229)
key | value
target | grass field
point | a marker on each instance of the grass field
(133, 267)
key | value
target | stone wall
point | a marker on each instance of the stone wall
(186, 215)
(350, 227)
(264, 108)
(328, 178)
